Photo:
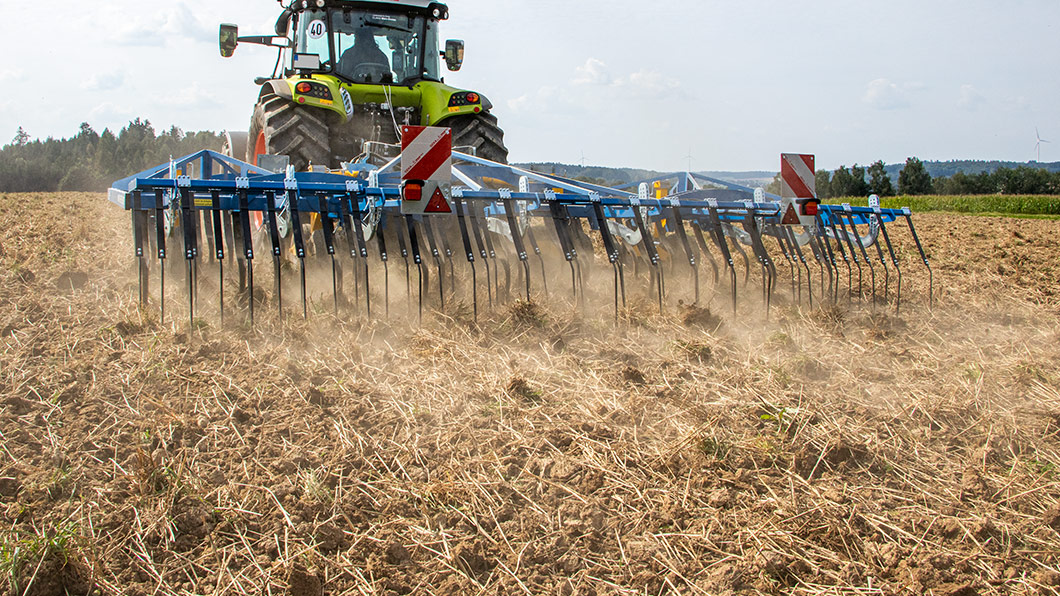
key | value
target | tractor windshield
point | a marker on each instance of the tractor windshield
(366, 46)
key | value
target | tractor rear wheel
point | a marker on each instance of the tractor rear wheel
(481, 132)
(281, 127)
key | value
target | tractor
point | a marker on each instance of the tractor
(348, 75)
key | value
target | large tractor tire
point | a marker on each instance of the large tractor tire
(281, 127)
(481, 132)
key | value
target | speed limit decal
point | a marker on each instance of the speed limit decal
(316, 29)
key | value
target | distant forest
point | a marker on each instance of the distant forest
(92, 161)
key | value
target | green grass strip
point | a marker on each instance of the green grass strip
(1010, 205)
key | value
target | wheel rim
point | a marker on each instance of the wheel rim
(259, 147)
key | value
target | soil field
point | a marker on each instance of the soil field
(541, 450)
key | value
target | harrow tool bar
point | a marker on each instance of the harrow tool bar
(237, 210)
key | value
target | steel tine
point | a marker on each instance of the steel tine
(380, 238)
(653, 255)
(273, 224)
(401, 230)
(428, 232)
(559, 224)
(537, 251)
(729, 234)
(842, 252)
(819, 256)
(138, 245)
(679, 228)
(362, 247)
(488, 236)
(187, 225)
(476, 230)
(826, 250)
(327, 226)
(883, 261)
(697, 231)
(248, 247)
(923, 257)
(160, 233)
(843, 223)
(897, 268)
(517, 239)
(758, 247)
(609, 248)
(782, 242)
(802, 259)
(719, 241)
(299, 244)
(469, 252)
(865, 257)
(416, 257)
(218, 247)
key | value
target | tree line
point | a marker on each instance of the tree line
(914, 179)
(91, 161)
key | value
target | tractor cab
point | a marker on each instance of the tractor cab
(387, 43)
(364, 44)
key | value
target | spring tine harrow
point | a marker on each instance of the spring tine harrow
(247, 204)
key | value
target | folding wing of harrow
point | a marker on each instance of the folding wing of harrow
(505, 218)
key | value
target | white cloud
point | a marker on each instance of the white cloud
(10, 75)
(193, 97)
(594, 72)
(649, 84)
(882, 94)
(154, 30)
(533, 102)
(104, 82)
(970, 99)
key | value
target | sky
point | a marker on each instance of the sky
(723, 85)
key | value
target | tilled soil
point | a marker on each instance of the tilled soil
(543, 449)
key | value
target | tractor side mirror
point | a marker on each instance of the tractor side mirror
(228, 39)
(454, 54)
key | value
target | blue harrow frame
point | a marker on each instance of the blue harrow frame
(237, 211)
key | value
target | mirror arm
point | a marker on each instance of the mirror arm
(265, 40)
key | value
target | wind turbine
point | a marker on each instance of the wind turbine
(1038, 146)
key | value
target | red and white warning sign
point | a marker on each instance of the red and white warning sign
(426, 169)
(798, 189)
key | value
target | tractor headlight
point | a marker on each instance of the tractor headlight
(320, 3)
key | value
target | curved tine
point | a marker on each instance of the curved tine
(818, 255)
(718, 233)
(476, 232)
(853, 255)
(697, 231)
(781, 236)
(802, 259)
(923, 257)
(730, 234)
(883, 261)
(843, 254)
(868, 261)
(679, 225)
(897, 268)
(826, 248)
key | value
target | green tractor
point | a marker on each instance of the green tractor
(349, 74)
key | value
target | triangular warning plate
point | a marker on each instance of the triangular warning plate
(437, 204)
(791, 218)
